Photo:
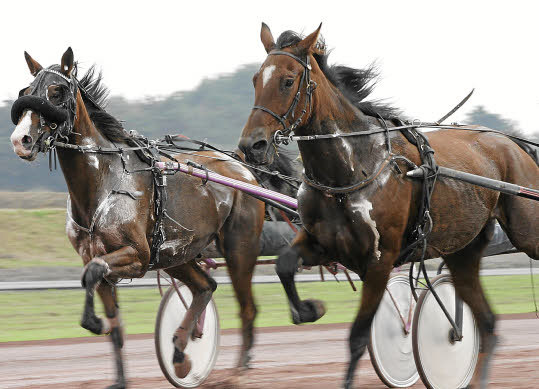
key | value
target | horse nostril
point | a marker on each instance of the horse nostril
(260, 145)
(27, 140)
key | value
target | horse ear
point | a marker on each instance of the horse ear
(33, 65)
(267, 38)
(309, 42)
(67, 62)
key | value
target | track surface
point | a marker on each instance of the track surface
(284, 357)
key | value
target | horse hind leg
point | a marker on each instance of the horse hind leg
(241, 262)
(464, 266)
(202, 288)
(520, 221)
(374, 284)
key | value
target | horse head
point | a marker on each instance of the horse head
(46, 109)
(284, 88)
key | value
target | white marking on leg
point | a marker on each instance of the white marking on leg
(266, 74)
(364, 207)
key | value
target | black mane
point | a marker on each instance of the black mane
(355, 84)
(95, 96)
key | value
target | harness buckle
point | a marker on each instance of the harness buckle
(279, 137)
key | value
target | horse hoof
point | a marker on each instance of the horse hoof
(118, 385)
(244, 363)
(182, 363)
(309, 311)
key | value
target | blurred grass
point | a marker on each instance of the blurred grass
(35, 237)
(56, 314)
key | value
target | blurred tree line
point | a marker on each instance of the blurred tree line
(479, 115)
(215, 111)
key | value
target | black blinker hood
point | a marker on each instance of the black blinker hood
(38, 104)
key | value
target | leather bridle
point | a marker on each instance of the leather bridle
(310, 86)
(59, 118)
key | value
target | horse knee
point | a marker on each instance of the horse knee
(94, 272)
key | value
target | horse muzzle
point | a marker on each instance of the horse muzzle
(256, 148)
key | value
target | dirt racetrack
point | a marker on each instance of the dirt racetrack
(284, 357)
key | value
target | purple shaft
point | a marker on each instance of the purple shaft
(230, 182)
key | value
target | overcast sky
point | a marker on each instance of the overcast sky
(430, 53)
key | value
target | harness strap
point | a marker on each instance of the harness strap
(310, 87)
(332, 190)
(305, 64)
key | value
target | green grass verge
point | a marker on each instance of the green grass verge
(35, 237)
(55, 314)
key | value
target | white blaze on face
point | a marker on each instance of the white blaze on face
(22, 129)
(266, 74)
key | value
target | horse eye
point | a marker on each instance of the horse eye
(289, 82)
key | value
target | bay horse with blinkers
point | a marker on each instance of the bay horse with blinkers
(356, 203)
(110, 213)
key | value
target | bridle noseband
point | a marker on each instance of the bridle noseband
(310, 87)
(59, 118)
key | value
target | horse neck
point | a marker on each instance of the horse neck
(340, 161)
(86, 174)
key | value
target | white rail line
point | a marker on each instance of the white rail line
(267, 279)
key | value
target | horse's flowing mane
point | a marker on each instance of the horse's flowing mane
(95, 95)
(355, 84)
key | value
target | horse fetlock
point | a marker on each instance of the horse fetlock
(180, 339)
(181, 362)
(309, 311)
(92, 323)
(93, 272)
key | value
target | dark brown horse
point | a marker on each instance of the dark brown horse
(111, 206)
(357, 211)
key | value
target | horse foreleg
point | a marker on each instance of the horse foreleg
(113, 326)
(286, 267)
(374, 284)
(202, 288)
(123, 263)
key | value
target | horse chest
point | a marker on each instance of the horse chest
(345, 228)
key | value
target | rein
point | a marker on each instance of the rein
(410, 125)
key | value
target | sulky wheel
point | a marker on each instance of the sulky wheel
(442, 362)
(202, 351)
(390, 345)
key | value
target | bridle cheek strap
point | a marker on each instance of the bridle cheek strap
(310, 87)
